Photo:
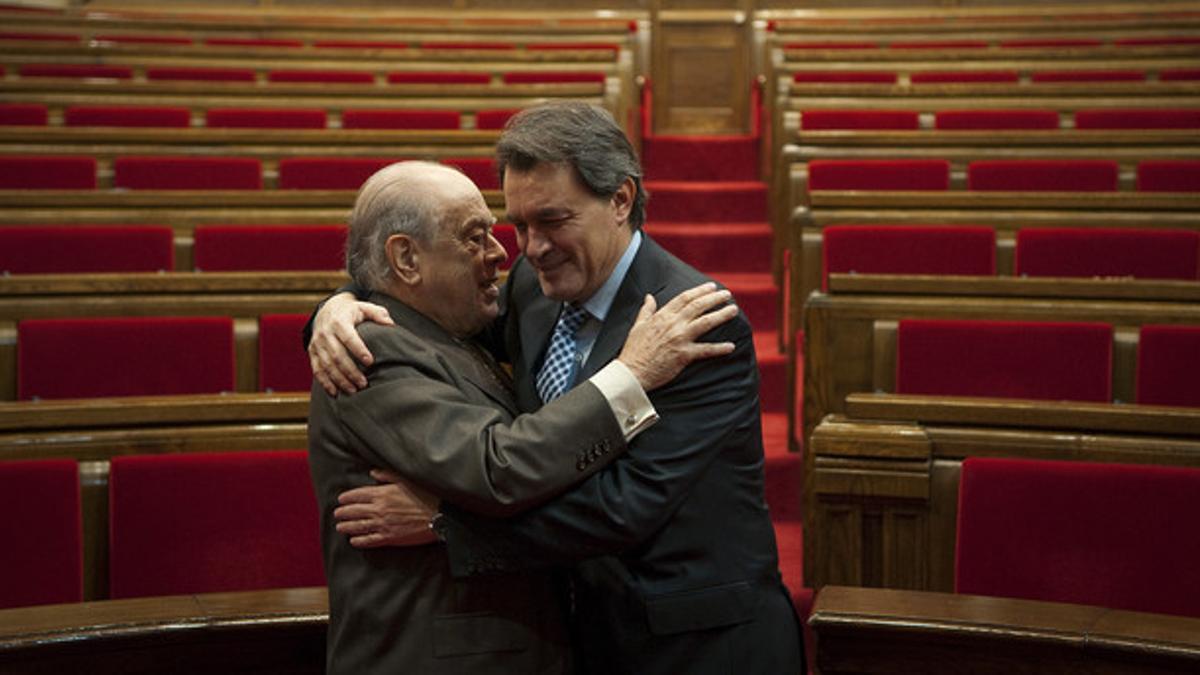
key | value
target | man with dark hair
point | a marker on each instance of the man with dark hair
(675, 567)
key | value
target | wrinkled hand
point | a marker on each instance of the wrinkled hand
(394, 513)
(661, 343)
(335, 342)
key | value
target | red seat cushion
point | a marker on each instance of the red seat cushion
(545, 76)
(1168, 175)
(813, 120)
(58, 172)
(328, 173)
(216, 522)
(1168, 370)
(965, 76)
(494, 119)
(143, 356)
(908, 249)
(1088, 76)
(1108, 252)
(435, 77)
(42, 533)
(1006, 359)
(1113, 535)
(71, 249)
(970, 120)
(187, 173)
(322, 76)
(229, 248)
(481, 171)
(24, 114)
(844, 77)
(401, 119)
(1043, 175)
(881, 174)
(76, 70)
(201, 74)
(282, 359)
(1138, 118)
(262, 118)
(126, 116)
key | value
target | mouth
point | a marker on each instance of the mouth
(491, 287)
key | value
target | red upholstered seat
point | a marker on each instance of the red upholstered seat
(450, 44)
(76, 70)
(1006, 359)
(965, 76)
(68, 249)
(1040, 43)
(359, 44)
(282, 359)
(1088, 76)
(328, 173)
(201, 74)
(572, 46)
(812, 120)
(1179, 74)
(229, 248)
(140, 356)
(401, 119)
(481, 171)
(58, 172)
(322, 76)
(1157, 41)
(1113, 535)
(39, 37)
(938, 44)
(1168, 370)
(506, 234)
(252, 42)
(265, 118)
(908, 249)
(437, 77)
(41, 529)
(845, 77)
(126, 116)
(973, 120)
(1043, 175)
(494, 119)
(1108, 252)
(187, 173)
(832, 44)
(1168, 175)
(546, 76)
(196, 523)
(1138, 118)
(24, 114)
(879, 174)
(145, 39)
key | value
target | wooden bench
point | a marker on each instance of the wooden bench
(861, 631)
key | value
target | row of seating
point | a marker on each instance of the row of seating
(1001, 76)
(36, 114)
(309, 76)
(371, 45)
(988, 120)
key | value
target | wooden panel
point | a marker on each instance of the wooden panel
(702, 82)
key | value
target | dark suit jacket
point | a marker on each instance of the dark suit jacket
(437, 413)
(681, 570)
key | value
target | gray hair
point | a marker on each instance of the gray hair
(583, 135)
(392, 201)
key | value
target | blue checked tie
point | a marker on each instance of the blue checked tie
(558, 372)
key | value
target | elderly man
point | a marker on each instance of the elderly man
(441, 413)
(675, 565)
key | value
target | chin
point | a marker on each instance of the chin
(558, 289)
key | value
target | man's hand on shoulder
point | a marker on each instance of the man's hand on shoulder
(336, 345)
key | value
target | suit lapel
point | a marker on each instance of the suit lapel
(643, 277)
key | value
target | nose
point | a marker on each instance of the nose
(495, 250)
(533, 243)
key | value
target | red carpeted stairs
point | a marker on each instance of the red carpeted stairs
(708, 207)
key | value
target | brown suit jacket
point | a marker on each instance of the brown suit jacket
(439, 412)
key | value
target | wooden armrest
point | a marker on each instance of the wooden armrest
(153, 410)
(1114, 288)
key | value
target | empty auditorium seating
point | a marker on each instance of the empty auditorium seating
(126, 356)
(234, 248)
(1138, 118)
(1006, 359)
(401, 119)
(965, 76)
(201, 74)
(328, 173)
(844, 77)
(971, 120)
(59, 172)
(493, 119)
(546, 76)
(68, 249)
(76, 70)
(1078, 175)
(1113, 535)
(905, 249)
(457, 44)
(42, 533)
(1179, 74)
(194, 523)
(1108, 252)
(506, 234)
(1168, 175)
(813, 120)
(1168, 370)
(438, 77)
(322, 76)
(187, 173)
(282, 359)
(126, 116)
(265, 118)
(23, 114)
(1087, 76)
(915, 174)
(359, 44)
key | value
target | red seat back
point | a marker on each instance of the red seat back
(328, 173)
(964, 120)
(506, 234)
(437, 77)
(966, 76)
(1168, 175)
(453, 44)
(282, 359)
(1088, 76)
(142, 356)
(878, 174)
(844, 77)
(201, 74)
(1107, 252)
(359, 44)
(198, 523)
(76, 70)
(1179, 74)
(253, 42)
(494, 119)
(1138, 118)
(57, 172)
(1113, 535)
(1006, 359)
(41, 528)
(1168, 370)
(145, 39)
(481, 171)
(813, 120)
(233, 248)
(71, 249)
(126, 116)
(401, 119)
(187, 173)
(263, 118)
(546, 76)
(1043, 175)
(907, 249)
(24, 114)
(322, 76)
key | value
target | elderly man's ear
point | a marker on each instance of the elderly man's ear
(404, 259)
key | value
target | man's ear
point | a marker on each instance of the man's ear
(622, 200)
(404, 258)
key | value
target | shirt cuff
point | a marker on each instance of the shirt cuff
(628, 401)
